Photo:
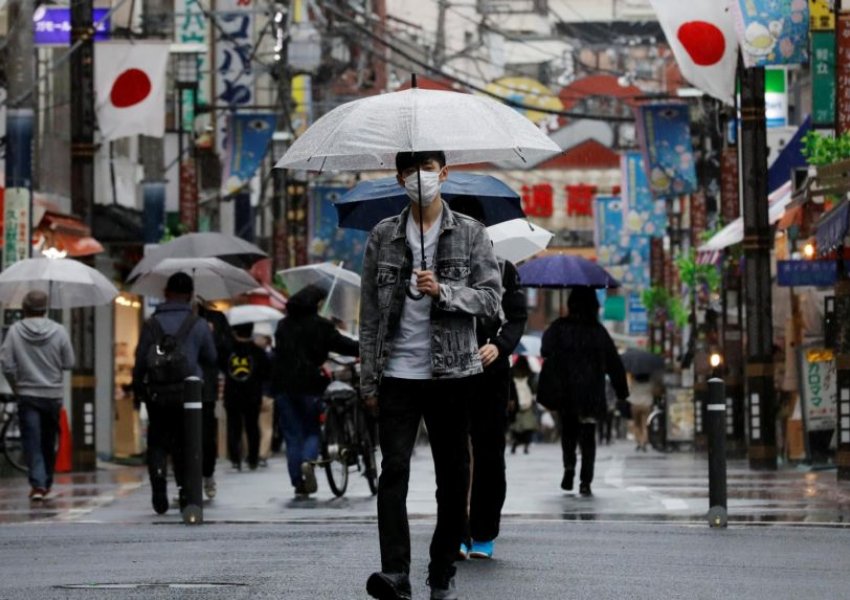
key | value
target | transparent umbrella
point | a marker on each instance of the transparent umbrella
(68, 283)
(517, 239)
(213, 278)
(341, 285)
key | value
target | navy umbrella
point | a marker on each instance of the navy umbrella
(559, 271)
(641, 362)
(480, 196)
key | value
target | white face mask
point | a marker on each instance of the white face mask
(430, 186)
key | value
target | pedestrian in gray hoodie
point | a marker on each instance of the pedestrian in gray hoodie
(33, 355)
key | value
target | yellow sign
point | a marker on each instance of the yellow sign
(819, 355)
(821, 15)
(528, 93)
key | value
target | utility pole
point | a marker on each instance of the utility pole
(842, 285)
(761, 395)
(82, 202)
(20, 77)
(440, 42)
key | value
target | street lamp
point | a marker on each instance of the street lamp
(186, 77)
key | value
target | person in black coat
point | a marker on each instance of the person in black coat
(488, 416)
(584, 353)
(246, 368)
(302, 343)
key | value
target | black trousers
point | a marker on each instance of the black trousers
(243, 415)
(209, 441)
(488, 420)
(402, 403)
(165, 436)
(575, 432)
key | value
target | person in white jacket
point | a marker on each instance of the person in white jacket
(33, 355)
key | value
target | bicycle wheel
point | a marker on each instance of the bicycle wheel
(367, 450)
(13, 449)
(334, 453)
(655, 428)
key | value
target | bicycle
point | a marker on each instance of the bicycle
(347, 434)
(10, 435)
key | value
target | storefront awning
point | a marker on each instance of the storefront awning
(733, 233)
(66, 233)
(832, 228)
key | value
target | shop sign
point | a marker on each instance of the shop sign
(776, 97)
(191, 27)
(656, 261)
(680, 414)
(638, 319)
(818, 388)
(699, 217)
(821, 15)
(188, 194)
(16, 225)
(51, 26)
(823, 78)
(842, 62)
(234, 73)
(796, 273)
(730, 201)
(538, 200)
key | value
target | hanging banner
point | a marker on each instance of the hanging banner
(821, 15)
(153, 215)
(189, 194)
(637, 316)
(730, 202)
(664, 134)
(645, 214)
(248, 138)
(823, 78)
(772, 32)
(842, 65)
(328, 242)
(16, 225)
(818, 388)
(234, 69)
(611, 241)
(699, 218)
(192, 27)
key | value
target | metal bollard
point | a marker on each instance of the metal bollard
(715, 428)
(193, 508)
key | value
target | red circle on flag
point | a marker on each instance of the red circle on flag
(130, 87)
(704, 42)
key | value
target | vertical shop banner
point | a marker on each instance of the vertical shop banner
(699, 218)
(17, 206)
(664, 133)
(328, 242)
(637, 316)
(842, 65)
(611, 243)
(656, 261)
(189, 200)
(234, 70)
(818, 388)
(821, 15)
(248, 138)
(646, 215)
(244, 216)
(823, 78)
(730, 202)
(191, 27)
(16, 225)
(153, 217)
(772, 32)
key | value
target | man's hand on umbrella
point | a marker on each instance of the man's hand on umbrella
(426, 282)
(488, 353)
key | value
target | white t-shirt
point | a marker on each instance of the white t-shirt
(411, 355)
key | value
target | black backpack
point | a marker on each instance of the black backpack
(167, 363)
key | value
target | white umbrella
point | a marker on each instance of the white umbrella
(67, 282)
(342, 287)
(367, 133)
(518, 239)
(253, 313)
(209, 244)
(213, 278)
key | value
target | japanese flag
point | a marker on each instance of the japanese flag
(701, 34)
(129, 82)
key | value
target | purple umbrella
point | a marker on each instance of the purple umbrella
(558, 271)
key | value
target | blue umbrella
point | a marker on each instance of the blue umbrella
(481, 196)
(560, 271)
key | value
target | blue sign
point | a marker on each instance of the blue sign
(664, 133)
(794, 273)
(52, 25)
(638, 319)
(328, 241)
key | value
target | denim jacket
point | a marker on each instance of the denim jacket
(470, 286)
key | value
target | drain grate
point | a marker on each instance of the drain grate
(184, 585)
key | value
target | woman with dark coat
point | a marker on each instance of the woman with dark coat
(584, 353)
(302, 343)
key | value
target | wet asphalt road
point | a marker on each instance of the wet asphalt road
(643, 535)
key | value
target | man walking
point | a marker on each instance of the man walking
(488, 417)
(171, 324)
(418, 355)
(33, 355)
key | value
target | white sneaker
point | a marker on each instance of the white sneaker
(209, 487)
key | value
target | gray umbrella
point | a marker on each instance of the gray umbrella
(641, 362)
(228, 248)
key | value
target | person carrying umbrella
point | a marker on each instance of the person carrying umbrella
(428, 273)
(584, 354)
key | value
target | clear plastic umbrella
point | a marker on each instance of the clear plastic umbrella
(517, 239)
(367, 133)
(253, 313)
(213, 278)
(342, 287)
(68, 283)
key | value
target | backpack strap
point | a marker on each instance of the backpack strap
(186, 327)
(156, 329)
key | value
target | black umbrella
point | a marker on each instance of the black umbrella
(641, 362)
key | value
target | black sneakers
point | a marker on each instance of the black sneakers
(584, 489)
(567, 481)
(159, 496)
(389, 586)
(443, 585)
